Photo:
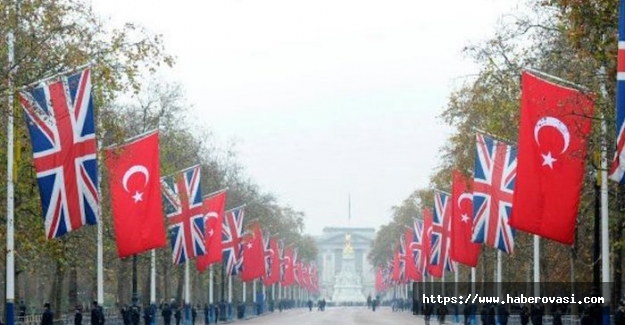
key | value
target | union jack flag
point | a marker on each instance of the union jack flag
(182, 201)
(402, 257)
(493, 188)
(232, 246)
(617, 171)
(416, 246)
(268, 254)
(60, 120)
(441, 236)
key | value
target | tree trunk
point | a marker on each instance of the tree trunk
(145, 292)
(56, 292)
(73, 286)
(166, 293)
(180, 285)
(123, 283)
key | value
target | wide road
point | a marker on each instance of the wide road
(336, 316)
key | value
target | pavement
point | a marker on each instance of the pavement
(336, 316)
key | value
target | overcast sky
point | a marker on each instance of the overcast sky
(323, 97)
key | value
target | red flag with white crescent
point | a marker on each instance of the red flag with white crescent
(214, 207)
(134, 181)
(555, 123)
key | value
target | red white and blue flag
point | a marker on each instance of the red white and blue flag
(617, 171)
(182, 201)
(493, 189)
(440, 240)
(231, 234)
(272, 261)
(60, 119)
(417, 250)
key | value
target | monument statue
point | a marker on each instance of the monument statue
(348, 284)
(348, 249)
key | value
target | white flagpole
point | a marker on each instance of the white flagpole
(254, 291)
(10, 266)
(264, 293)
(473, 310)
(443, 283)
(100, 255)
(244, 294)
(211, 274)
(473, 281)
(498, 278)
(229, 289)
(536, 266)
(153, 277)
(187, 294)
(605, 233)
(456, 311)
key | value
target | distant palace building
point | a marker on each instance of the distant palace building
(332, 246)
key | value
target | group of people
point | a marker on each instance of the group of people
(372, 303)
(399, 304)
(97, 315)
(441, 312)
(321, 304)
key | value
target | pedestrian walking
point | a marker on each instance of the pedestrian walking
(47, 318)
(166, 313)
(97, 316)
(178, 315)
(78, 315)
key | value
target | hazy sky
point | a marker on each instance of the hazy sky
(324, 97)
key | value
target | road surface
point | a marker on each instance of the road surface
(336, 316)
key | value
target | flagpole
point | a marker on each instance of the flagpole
(456, 294)
(536, 266)
(187, 294)
(153, 277)
(210, 284)
(498, 279)
(605, 233)
(264, 296)
(229, 288)
(244, 293)
(473, 307)
(254, 291)
(10, 262)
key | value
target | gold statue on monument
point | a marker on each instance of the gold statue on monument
(348, 249)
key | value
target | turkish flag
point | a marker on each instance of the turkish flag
(214, 210)
(427, 241)
(272, 269)
(134, 181)
(396, 275)
(289, 277)
(555, 123)
(253, 254)
(410, 264)
(379, 280)
(463, 250)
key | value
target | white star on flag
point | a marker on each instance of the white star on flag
(137, 197)
(548, 160)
